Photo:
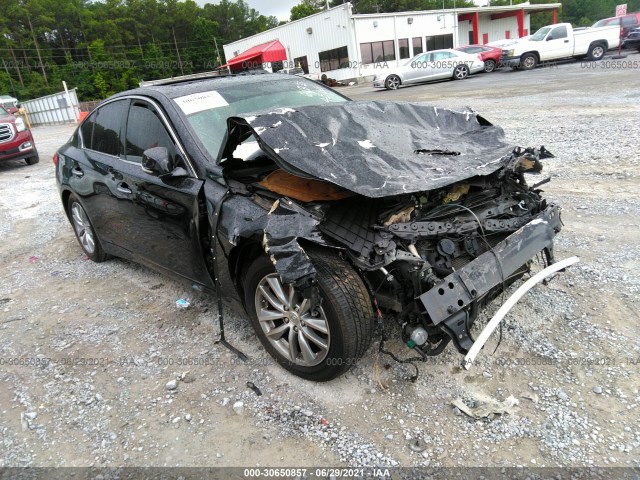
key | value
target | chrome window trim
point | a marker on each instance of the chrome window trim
(163, 119)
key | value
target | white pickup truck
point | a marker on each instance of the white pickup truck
(555, 42)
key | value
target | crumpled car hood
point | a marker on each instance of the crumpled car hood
(372, 148)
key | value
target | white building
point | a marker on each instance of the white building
(344, 45)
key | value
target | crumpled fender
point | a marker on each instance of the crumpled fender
(287, 222)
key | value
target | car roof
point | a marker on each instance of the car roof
(181, 88)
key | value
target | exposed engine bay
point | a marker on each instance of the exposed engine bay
(436, 223)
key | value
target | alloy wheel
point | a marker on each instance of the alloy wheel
(393, 82)
(300, 335)
(460, 72)
(83, 228)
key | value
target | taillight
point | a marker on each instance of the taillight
(56, 159)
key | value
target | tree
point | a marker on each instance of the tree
(304, 9)
(106, 46)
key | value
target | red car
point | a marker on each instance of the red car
(489, 55)
(16, 141)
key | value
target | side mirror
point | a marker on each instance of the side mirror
(550, 37)
(156, 161)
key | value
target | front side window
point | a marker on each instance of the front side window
(107, 130)
(145, 130)
(559, 32)
(540, 34)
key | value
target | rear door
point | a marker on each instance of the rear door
(161, 219)
(443, 64)
(92, 176)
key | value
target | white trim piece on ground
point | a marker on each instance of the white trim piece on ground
(508, 305)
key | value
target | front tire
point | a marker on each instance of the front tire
(85, 233)
(460, 72)
(529, 61)
(318, 345)
(32, 160)
(392, 82)
(596, 52)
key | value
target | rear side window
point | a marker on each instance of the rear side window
(87, 130)
(145, 130)
(629, 21)
(108, 127)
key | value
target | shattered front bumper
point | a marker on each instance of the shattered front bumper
(446, 303)
(510, 61)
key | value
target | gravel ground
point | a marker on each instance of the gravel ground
(110, 373)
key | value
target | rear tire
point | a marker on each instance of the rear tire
(596, 52)
(345, 315)
(85, 233)
(460, 72)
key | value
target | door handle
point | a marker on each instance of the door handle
(124, 188)
(77, 171)
(566, 41)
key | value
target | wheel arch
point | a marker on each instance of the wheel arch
(64, 196)
(534, 52)
(248, 249)
(602, 42)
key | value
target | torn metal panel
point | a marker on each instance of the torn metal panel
(375, 149)
(286, 223)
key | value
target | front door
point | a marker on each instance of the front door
(557, 44)
(161, 221)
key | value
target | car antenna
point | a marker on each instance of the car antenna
(214, 250)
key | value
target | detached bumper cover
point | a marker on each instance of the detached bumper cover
(510, 61)
(446, 302)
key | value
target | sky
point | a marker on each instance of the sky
(278, 8)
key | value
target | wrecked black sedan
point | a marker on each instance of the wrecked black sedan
(312, 213)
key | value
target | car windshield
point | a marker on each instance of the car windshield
(540, 34)
(210, 124)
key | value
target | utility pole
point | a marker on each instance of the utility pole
(175, 42)
(218, 58)
(139, 43)
(15, 62)
(44, 74)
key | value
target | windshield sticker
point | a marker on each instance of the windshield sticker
(198, 102)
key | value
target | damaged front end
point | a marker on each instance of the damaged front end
(430, 206)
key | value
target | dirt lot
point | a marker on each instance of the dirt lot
(87, 350)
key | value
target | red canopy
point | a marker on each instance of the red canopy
(272, 51)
